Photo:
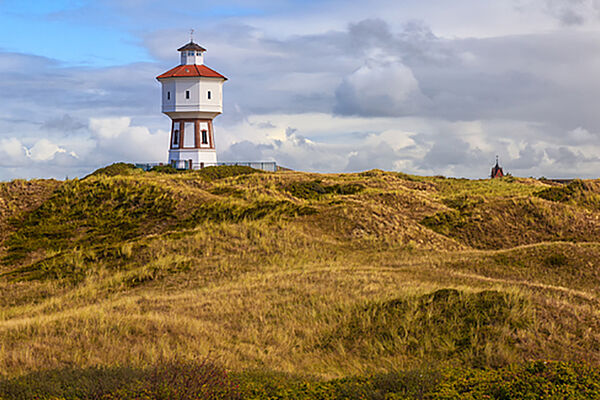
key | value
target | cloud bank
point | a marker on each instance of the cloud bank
(369, 93)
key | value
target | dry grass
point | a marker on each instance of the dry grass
(234, 269)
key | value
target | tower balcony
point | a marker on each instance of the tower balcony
(192, 111)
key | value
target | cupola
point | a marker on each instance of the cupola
(192, 54)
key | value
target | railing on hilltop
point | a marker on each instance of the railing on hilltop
(270, 166)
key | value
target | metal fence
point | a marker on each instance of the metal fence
(270, 166)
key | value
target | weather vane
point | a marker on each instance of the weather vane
(191, 35)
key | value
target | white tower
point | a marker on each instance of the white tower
(192, 96)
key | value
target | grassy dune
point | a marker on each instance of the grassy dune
(327, 276)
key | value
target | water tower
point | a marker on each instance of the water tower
(192, 96)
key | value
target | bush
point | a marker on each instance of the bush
(176, 380)
(164, 169)
(234, 212)
(226, 171)
(444, 325)
(576, 192)
(205, 380)
(181, 381)
(115, 169)
(315, 189)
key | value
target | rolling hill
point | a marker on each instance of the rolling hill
(286, 280)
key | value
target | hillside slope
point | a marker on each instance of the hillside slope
(327, 274)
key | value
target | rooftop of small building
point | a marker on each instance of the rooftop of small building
(191, 46)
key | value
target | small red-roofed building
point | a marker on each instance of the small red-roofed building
(497, 171)
(192, 96)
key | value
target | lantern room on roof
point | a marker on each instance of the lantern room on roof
(192, 53)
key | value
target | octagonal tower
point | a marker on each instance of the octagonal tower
(192, 96)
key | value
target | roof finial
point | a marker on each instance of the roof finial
(496, 159)
(191, 35)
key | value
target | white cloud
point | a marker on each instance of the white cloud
(44, 150)
(12, 152)
(383, 86)
(117, 140)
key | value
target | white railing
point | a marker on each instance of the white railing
(270, 166)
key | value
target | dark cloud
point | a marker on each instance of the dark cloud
(564, 156)
(572, 12)
(382, 156)
(247, 151)
(529, 157)
(449, 150)
(65, 124)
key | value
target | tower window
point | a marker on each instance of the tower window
(209, 94)
(190, 53)
(189, 135)
(176, 129)
(198, 53)
(204, 137)
(168, 95)
(187, 94)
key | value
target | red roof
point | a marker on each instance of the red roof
(191, 70)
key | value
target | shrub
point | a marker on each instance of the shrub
(174, 380)
(315, 189)
(164, 169)
(444, 325)
(236, 212)
(226, 171)
(181, 381)
(576, 192)
(115, 169)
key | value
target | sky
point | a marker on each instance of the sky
(427, 87)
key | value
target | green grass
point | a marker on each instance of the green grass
(117, 169)
(89, 212)
(316, 189)
(479, 329)
(299, 284)
(226, 171)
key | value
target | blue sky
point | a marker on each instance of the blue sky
(426, 87)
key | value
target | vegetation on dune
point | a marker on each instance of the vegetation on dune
(577, 192)
(165, 169)
(232, 212)
(204, 380)
(116, 169)
(225, 171)
(90, 212)
(299, 285)
(316, 189)
(500, 223)
(479, 329)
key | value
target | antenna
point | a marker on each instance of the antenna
(191, 35)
